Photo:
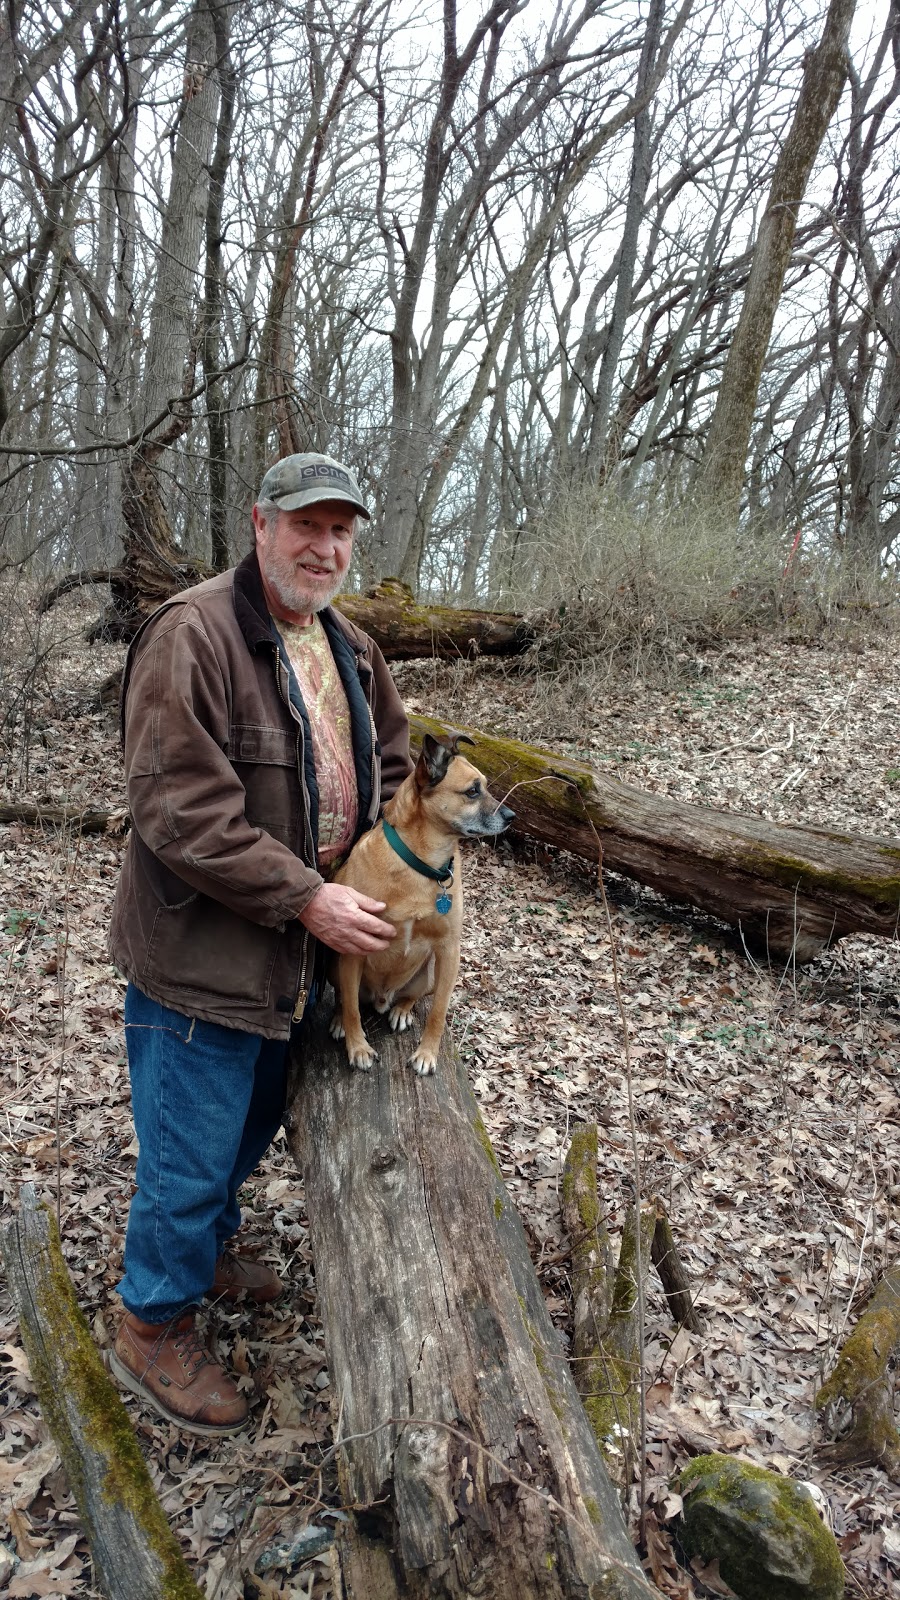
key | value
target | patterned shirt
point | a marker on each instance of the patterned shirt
(329, 719)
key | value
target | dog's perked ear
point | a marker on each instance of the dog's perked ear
(435, 758)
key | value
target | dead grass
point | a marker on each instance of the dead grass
(636, 589)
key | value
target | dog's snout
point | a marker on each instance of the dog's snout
(506, 815)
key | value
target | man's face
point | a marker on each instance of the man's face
(304, 556)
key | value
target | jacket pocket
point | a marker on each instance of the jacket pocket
(202, 946)
(265, 760)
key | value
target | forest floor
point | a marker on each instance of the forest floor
(767, 1100)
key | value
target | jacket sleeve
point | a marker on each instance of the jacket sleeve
(391, 726)
(186, 799)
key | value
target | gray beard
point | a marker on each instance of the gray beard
(280, 577)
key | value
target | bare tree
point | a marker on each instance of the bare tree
(728, 439)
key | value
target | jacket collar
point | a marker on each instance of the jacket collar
(253, 614)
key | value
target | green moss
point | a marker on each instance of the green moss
(883, 892)
(543, 1366)
(107, 1429)
(498, 1207)
(763, 1528)
(859, 1380)
(610, 1393)
(579, 1183)
(481, 1134)
(592, 1509)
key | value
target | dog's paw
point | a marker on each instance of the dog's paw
(401, 1016)
(363, 1058)
(336, 1026)
(423, 1062)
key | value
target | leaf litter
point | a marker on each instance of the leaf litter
(767, 1103)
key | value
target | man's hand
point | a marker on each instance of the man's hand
(346, 920)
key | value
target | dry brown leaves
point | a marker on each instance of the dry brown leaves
(767, 1104)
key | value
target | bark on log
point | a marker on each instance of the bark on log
(672, 1276)
(135, 1553)
(402, 629)
(58, 817)
(468, 1462)
(857, 1401)
(791, 891)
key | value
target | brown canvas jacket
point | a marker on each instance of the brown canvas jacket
(221, 786)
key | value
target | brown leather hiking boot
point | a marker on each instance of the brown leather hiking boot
(236, 1275)
(169, 1366)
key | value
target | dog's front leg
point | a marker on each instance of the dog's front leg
(346, 1023)
(446, 968)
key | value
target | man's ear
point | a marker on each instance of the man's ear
(431, 767)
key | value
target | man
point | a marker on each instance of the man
(262, 733)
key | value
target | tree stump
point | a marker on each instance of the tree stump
(468, 1462)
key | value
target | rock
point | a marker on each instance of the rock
(765, 1530)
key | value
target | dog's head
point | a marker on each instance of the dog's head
(455, 792)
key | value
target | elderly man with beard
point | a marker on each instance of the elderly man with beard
(262, 734)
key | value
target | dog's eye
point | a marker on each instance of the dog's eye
(474, 792)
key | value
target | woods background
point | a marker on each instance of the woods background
(580, 290)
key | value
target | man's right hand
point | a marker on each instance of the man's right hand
(346, 920)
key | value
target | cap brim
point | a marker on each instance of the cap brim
(310, 497)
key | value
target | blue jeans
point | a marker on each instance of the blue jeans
(207, 1102)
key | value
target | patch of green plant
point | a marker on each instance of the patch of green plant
(17, 921)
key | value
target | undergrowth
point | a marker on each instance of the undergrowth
(638, 589)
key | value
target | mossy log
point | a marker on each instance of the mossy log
(468, 1465)
(605, 1346)
(134, 1551)
(791, 891)
(403, 629)
(856, 1403)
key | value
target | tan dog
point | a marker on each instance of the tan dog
(411, 862)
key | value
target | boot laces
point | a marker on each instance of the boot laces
(190, 1350)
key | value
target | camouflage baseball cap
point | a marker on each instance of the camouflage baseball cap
(301, 480)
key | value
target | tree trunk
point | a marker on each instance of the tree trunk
(857, 1401)
(791, 891)
(135, 1553)
(468, 1462)
(728, 439)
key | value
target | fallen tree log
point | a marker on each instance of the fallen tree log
(606, 1353)
(402, 628)
(856, 1403)
(135, 1553)
(466, 1459)
(791, 891)
(46, 816)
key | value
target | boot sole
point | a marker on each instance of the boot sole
(209, 1430)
